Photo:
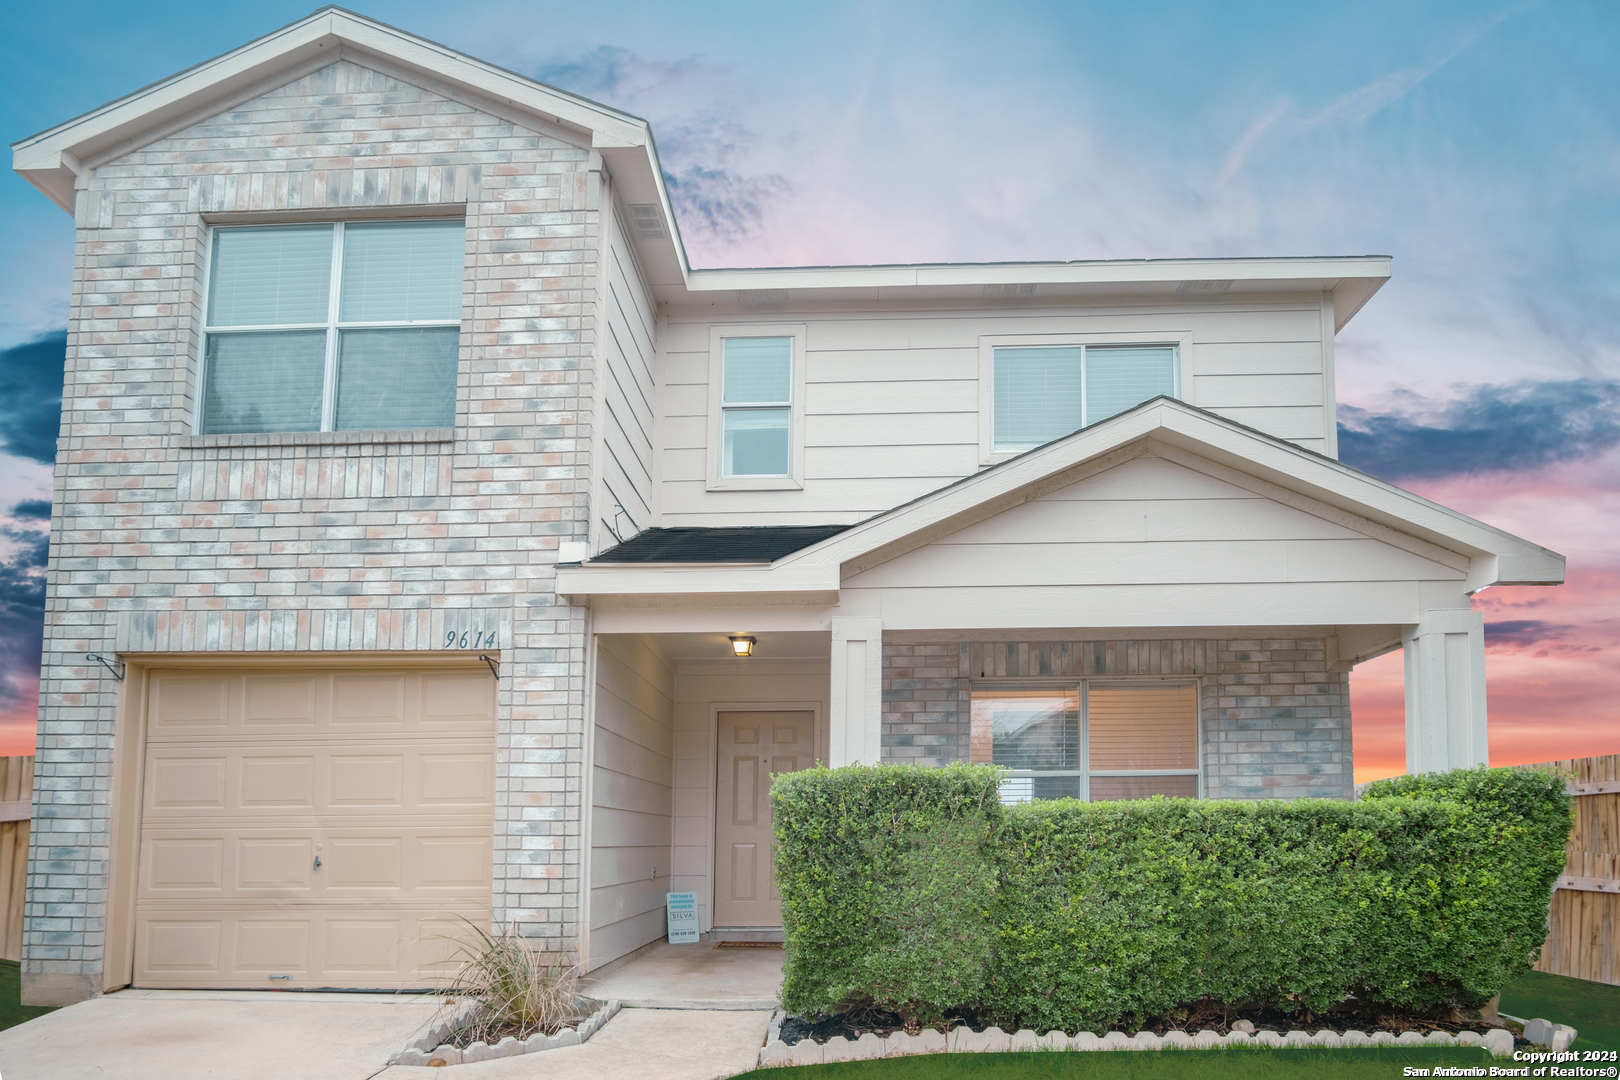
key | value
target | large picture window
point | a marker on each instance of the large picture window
(1092, 740)
(1044, 392)
(332, 327)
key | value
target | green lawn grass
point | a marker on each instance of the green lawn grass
(12, 1010)
(1382, 1063)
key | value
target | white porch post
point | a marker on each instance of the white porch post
(1445, 691)
(856, 723)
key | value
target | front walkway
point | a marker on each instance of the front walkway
(696, 976)
(693, 1012)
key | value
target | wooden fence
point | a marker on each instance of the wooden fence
(1583, 937)
(16, 807)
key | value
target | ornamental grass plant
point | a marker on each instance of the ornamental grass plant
(519, 990)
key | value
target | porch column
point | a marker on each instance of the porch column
(1445, 691)
(856, 721)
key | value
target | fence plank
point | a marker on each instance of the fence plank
(1583, 919)
(16, 793)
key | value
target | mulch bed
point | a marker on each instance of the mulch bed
(858, 1021)
(467, 1036)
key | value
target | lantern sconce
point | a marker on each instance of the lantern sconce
(742, 646)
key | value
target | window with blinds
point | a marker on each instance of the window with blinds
(1092, 740)
(1045, 392)
(756, 406)
(348, 326)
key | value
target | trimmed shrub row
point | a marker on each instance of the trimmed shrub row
(916, 891)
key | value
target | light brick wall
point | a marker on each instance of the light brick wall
(1276, 722)
(166, 539)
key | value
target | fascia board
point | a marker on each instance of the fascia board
(676, 579)
(44, 157)
(1516, 560)
(1333, 271)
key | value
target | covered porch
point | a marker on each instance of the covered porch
(1165, 602)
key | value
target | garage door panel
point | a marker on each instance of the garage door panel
(335, 780)
(369, 701)
(386, 776)
(279, 702)
(188, 783)
(183, 704)
(195, 865)
(277, 782)
(355, 946)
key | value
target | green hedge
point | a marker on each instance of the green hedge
(914, 890)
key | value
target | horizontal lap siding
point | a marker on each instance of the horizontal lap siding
(631, 803)
(627, 468)
(1151, 542)
(892, 402)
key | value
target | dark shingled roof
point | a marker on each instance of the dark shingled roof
(753, 543)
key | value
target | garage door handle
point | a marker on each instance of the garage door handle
(317, 862)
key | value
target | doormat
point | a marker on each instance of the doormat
(748, 944)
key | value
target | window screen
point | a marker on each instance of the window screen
(1041, 393)
(1089, 740)
(333, 327)
(756, 397)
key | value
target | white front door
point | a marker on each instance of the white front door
(754, 746)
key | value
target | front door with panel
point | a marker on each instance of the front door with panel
(754, 746)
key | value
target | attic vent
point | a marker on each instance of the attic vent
(762, 294)
(648, 219)
(1204, 286)
(1006, 289)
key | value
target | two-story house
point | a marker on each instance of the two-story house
(431, 540)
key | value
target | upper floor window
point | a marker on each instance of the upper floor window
(332, 327)
(1044, 392)
(756, 406)
(1093, 740)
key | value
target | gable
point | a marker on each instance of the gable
(1151, 521)
(341, 135)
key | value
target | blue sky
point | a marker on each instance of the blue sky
(1477, 143)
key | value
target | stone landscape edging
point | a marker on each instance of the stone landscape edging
(1499, 1041)
(431, 1047)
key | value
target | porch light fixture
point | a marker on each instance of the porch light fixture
(742, 646)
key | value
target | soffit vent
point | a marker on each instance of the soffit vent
(1204, 286)
(757, 295)
(648, 221)
(1009, 289)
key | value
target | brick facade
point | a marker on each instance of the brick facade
(1276, 721)
(164, 539)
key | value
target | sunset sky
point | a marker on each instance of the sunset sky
(1476, 143)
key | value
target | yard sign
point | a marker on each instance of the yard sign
(683, 918)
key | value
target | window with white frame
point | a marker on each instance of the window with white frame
(332, 327)
(1093, 740)
(1044, 392)
(756, 406)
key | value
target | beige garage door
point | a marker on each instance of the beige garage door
(313, 828)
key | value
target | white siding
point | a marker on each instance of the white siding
(700, 690)
(627, 444)
(631, 795)
(892, 401)
(1149, 542)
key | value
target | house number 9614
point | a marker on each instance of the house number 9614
(469, 639)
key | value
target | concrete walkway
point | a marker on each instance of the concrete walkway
(697, 976)
(637, 1044)
(693, 1012)
(201, 1035)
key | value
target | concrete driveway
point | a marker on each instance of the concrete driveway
(201, 1035)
